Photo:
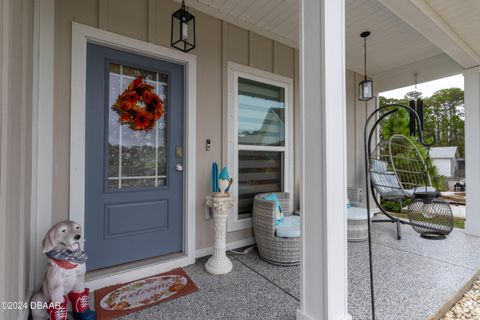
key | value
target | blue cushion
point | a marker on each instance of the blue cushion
(411, 192)
(278, 207)
(289, 227)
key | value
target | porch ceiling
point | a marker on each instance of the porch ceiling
(434, 38)
(393, 42)
(462, 17)
(450, 25)
(275, 19)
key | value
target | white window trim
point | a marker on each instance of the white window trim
(231, 128)
(81, 35)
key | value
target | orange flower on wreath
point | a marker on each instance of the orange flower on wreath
(154, 104)
(137, 82)
(144, 121)
(125, 118)
(131, 97)
(126, 105)
(138, 106)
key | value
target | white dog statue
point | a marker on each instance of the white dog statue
(65, 275)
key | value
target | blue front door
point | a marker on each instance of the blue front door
(133, 179)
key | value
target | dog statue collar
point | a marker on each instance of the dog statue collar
(64, 264)
(76, 257)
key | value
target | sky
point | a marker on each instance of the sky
(427, 88)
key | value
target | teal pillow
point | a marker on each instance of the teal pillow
(278, 206)
(289, 228)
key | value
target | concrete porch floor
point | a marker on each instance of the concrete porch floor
(414, 278)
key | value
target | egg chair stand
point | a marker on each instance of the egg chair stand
(395, 170)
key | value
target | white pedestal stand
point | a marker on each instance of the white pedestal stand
(219, 262)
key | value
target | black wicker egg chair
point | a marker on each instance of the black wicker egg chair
(395, 170)
(398, 172)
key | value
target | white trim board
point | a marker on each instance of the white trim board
(24, 314)
(42, 134)
(230, 145)
(135, 273)
(81, 35)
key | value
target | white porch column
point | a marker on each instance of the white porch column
(472, 149)
(323, 177)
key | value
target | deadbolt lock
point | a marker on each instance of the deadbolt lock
(179, 152)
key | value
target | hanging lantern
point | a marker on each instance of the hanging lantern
(365, 90)
(365, 87)
(183, 30)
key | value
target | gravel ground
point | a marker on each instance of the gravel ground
(468, 307)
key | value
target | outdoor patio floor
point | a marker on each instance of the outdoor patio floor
(414, 278)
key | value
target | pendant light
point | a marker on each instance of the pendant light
(366, 86)
(183, 30)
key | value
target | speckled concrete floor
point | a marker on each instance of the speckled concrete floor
(241, 294)
(414, 278)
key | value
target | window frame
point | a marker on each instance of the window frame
(230, 131)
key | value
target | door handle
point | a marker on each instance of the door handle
(179, 167)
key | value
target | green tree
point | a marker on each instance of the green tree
(445, 116)
(397, 122)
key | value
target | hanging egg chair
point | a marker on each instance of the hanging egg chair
(398, 172)
(410, 169)
(429, 215)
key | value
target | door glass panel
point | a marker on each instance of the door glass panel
(258, 172)
(136, 159)
(261, 114)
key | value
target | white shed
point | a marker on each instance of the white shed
(445, 159)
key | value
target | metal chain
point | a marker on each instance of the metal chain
(365, 57)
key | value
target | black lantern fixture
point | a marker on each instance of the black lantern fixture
(366, 86)
(183, 30)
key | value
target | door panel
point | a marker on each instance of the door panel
(134, 194)
(149, 216)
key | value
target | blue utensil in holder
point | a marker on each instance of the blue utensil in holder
(215, 178)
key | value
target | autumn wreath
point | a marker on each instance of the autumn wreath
(138, 106)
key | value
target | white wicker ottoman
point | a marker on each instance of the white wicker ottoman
(357, 224)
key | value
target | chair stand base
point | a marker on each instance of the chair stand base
(399, 232)
(397, 221)
(433, 236)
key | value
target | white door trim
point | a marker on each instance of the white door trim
(81, 35)
(42, 134)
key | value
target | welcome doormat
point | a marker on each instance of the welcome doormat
(119, 300)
